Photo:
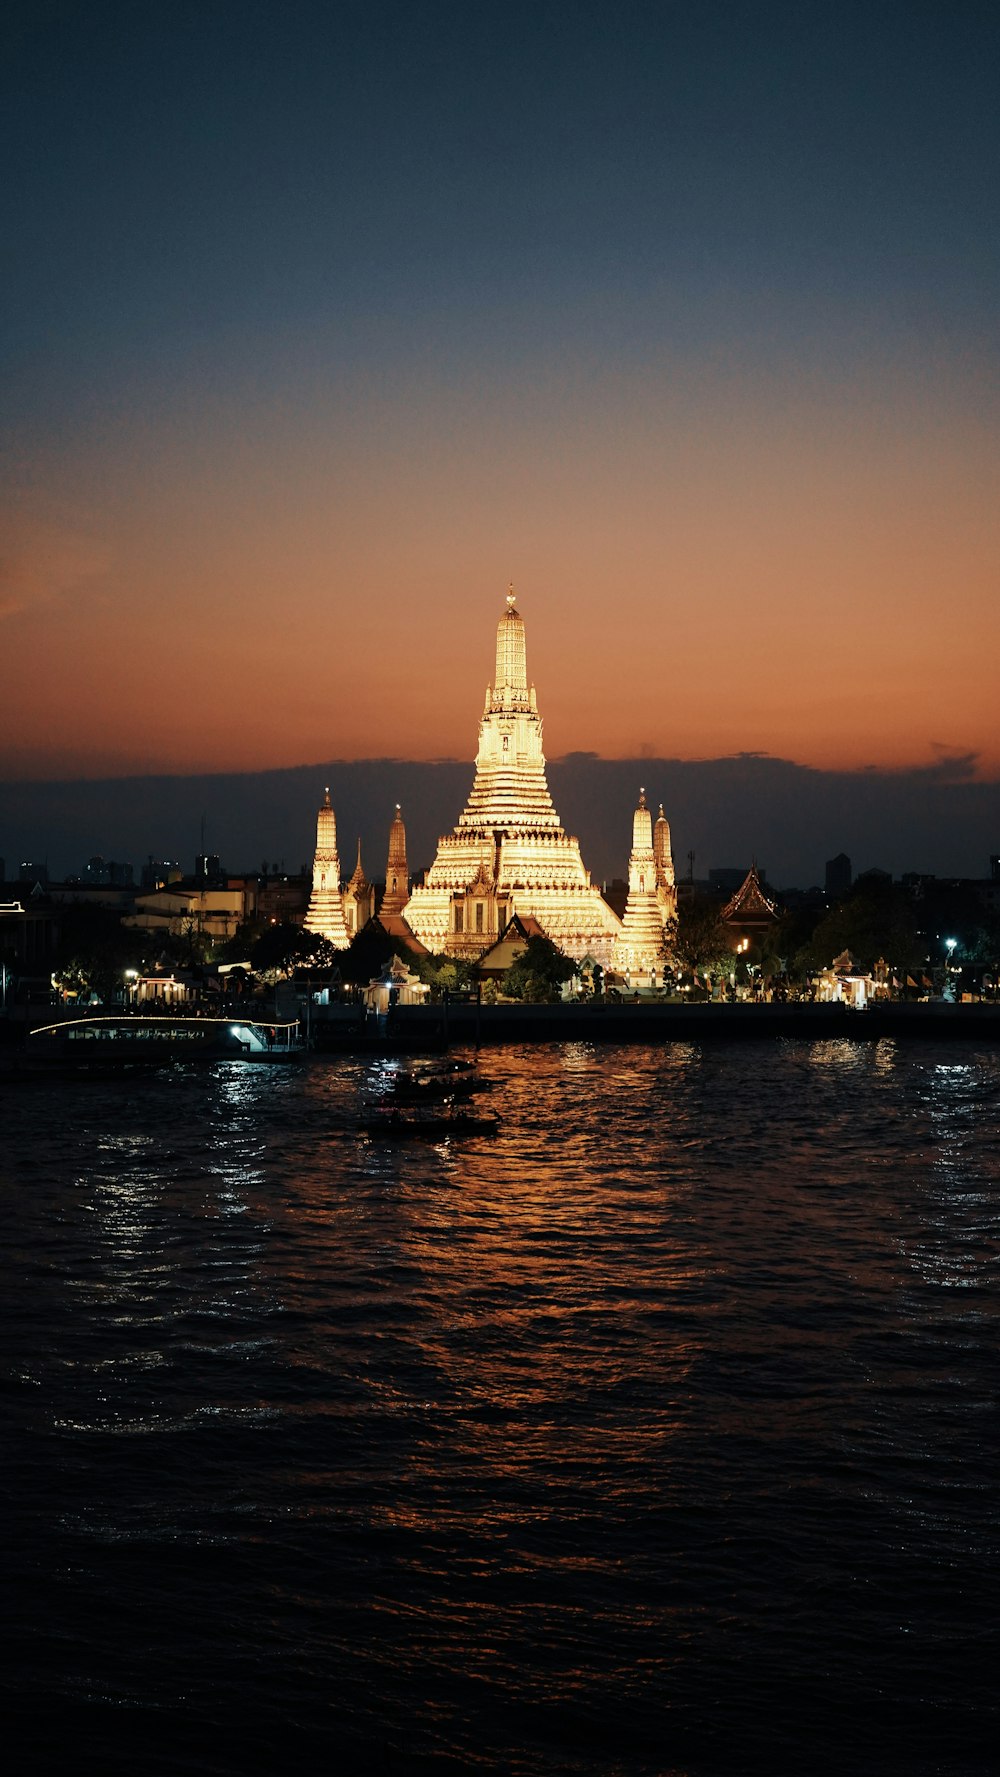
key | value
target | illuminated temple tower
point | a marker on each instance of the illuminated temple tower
(326, 904)
(397, 881)
(640, 945)
(666, 885)
(508, 853)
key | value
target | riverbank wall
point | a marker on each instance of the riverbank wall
(413, 1027)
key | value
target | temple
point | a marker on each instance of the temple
(666, 883)
(397, 881)
(751, 912)
(509, 855)
(640, 950)
(325, 914)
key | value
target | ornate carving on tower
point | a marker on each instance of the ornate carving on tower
(666, 884)
(326, 905)
(397, 881)
(509, 854)
(640, 947)
(359, 899)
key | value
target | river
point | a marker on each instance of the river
(656, 1434)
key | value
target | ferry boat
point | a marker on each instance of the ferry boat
(130, 1040)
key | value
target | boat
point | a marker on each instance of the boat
(433, 1125)
(102, 1043)
(430, 1088)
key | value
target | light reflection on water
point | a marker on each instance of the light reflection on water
(633, 1439)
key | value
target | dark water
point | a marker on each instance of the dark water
(658, 1434)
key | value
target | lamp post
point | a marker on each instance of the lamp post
(949, 980)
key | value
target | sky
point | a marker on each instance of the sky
(324, 322)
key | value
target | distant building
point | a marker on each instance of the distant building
(191, 911)
(727, 880)
(158, 872)
(103, 872)
(838, 874)
(34, 872)
(276, 899)
(208, 869)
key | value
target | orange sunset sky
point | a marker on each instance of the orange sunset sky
(722, 405)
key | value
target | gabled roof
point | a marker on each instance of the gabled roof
(396, 927)
(512, 940)
(750, 904)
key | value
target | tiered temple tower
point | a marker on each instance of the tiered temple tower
(358, 899)
(326, 906)
(640, 947)
(509, 853)
(666, 884)
(397, 880)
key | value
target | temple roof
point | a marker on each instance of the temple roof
(397, 927)
(750, 905)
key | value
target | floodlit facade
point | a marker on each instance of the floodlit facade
(509, 854)
(397, 879)
(641, 946)
(666, 881)
(326, 903)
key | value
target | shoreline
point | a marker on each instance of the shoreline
(408, 1027)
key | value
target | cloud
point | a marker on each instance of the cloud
(42, 560)
(728, 810)
(952, 765)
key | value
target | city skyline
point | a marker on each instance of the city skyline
(324, 327)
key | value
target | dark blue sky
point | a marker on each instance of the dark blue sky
(192, 173)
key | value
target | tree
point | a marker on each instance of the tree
(875, 920)
(281, 948)
(539, 972)
(703, 943)
(444, 974)
(95, 950)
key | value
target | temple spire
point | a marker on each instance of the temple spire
(397, 882)
(509, 855)
(640, 949)
(326, 903)
(666, 887)
(510, 685)
(359, 899)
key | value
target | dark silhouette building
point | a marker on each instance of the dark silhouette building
(838, 874)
